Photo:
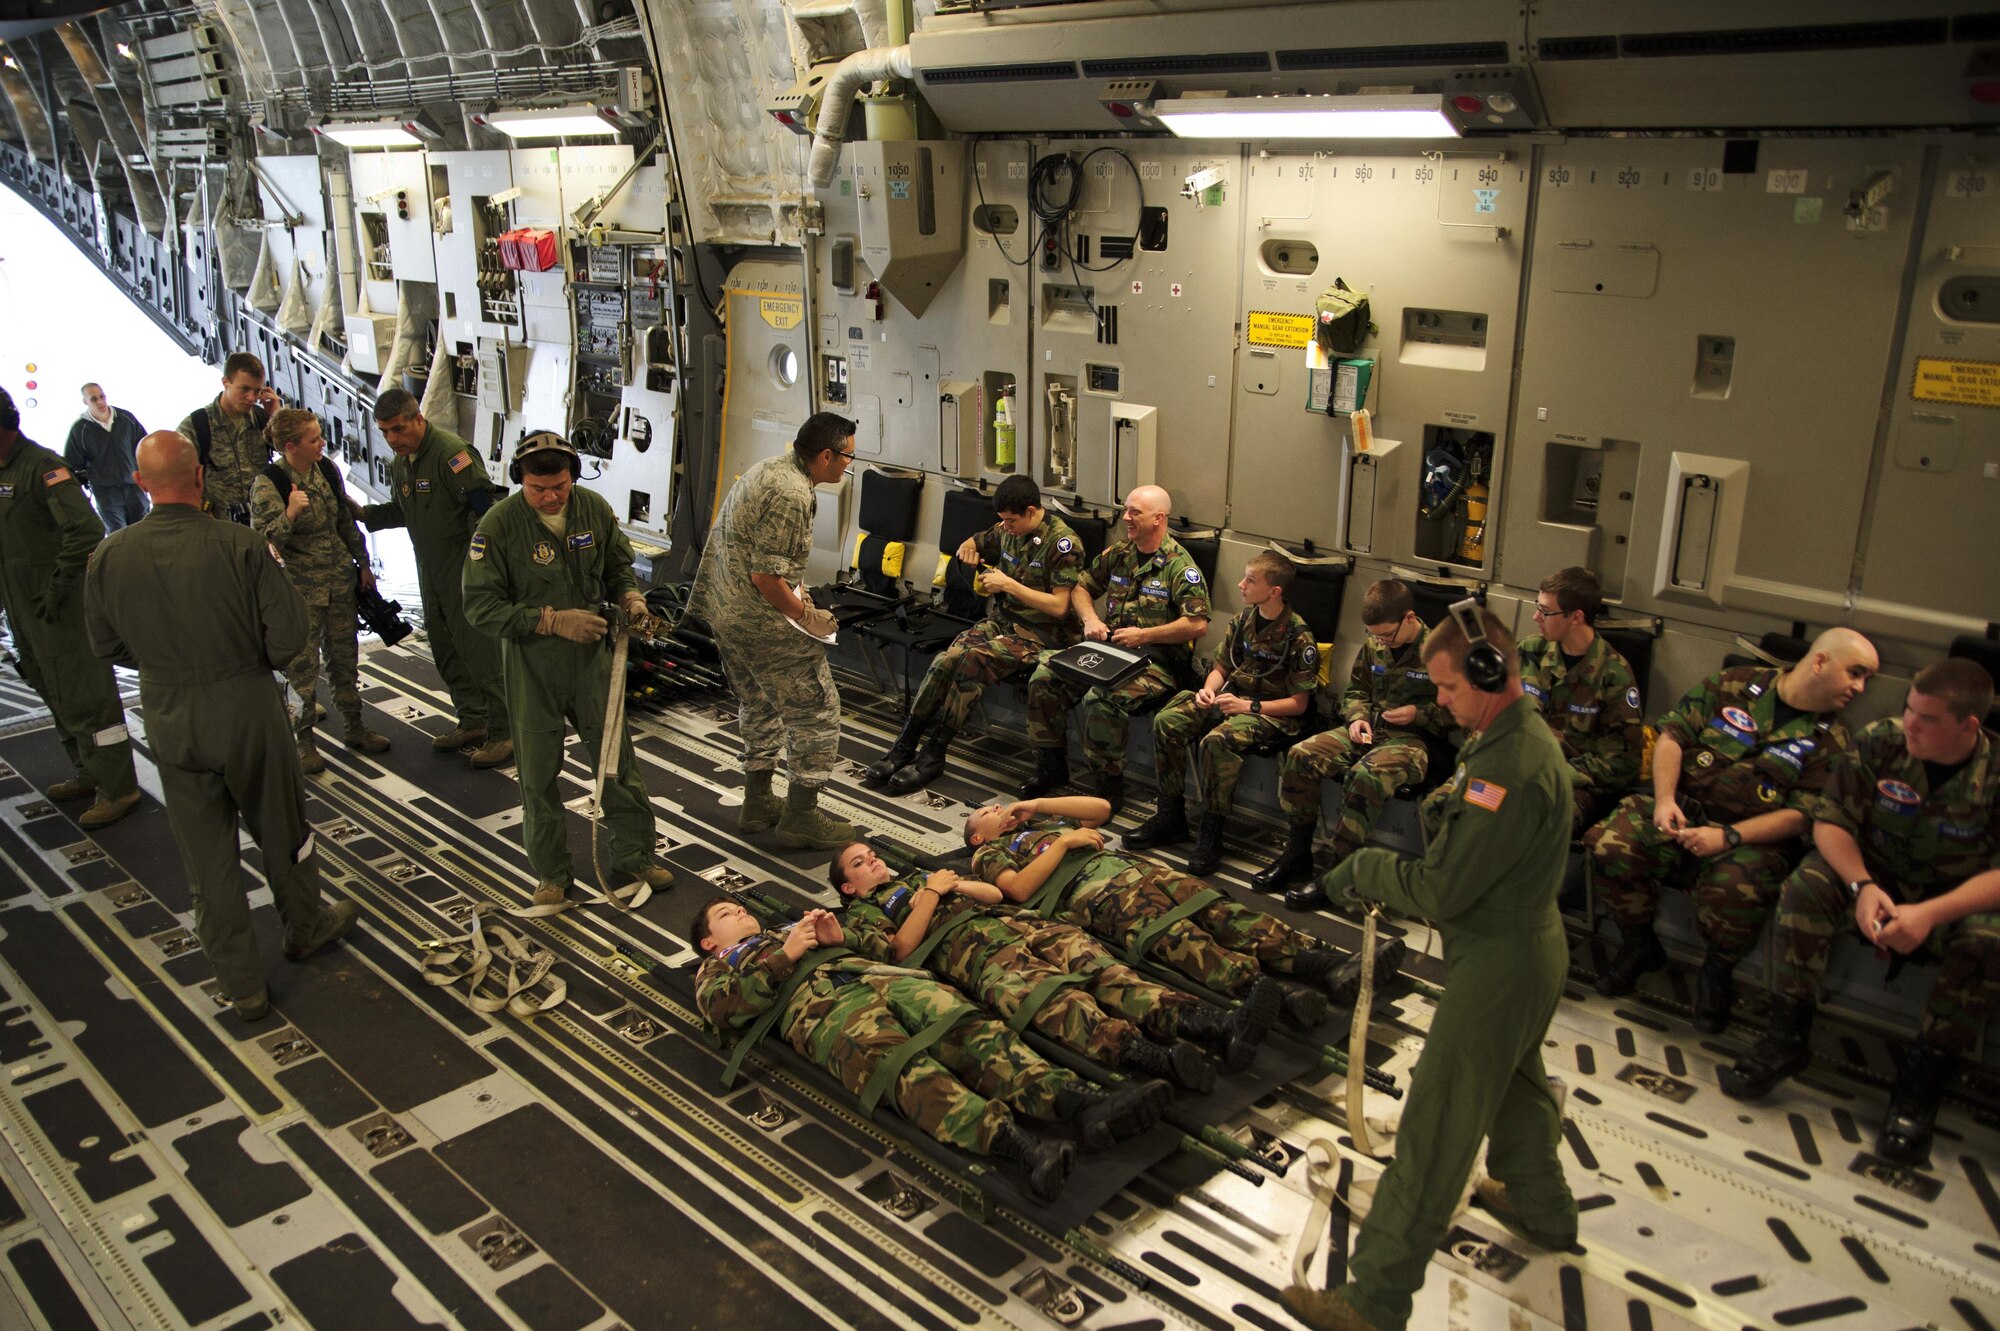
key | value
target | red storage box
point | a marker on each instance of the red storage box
(530, 249)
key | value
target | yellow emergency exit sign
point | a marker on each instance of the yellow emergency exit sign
(1269, 329)
(781, 312)
(1966, 383)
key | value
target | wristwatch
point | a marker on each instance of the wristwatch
(1731, 837)
(1854, 888)
(1256, 706)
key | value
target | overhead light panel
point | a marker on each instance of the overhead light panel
(378, 133)
(1325, 117)
(554, 122)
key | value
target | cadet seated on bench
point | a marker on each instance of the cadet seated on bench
(1039, 560)
(1048, 854)
(858, 1020)
(1737, 769)
(1907, 846)
(1155, 600)
(1257, 691)
(1393, 721)
(1038, 972)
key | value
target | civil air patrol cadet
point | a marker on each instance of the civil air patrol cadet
(1737, 770)
(47, 533)
(438, 490)
(1391, 725)
(1906, 844)
(1488, 884)
(1156, 601)
(204, 611)
(850, 1015)
(745, 589)
(232, 437)
(1029, 565)
(541, 563)
(1257, 690)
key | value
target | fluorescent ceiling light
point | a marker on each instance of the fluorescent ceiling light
(1329, 117)
(381, 134)
(551, 123)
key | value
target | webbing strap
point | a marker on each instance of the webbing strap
(921, 953)
(890, 1068)
(1048, 898)
(1038, 997)
(749, 1040)
(1143, 941)
(521, 966)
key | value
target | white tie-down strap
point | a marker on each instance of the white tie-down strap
(500, 954)
(110, 735)
(305, 850)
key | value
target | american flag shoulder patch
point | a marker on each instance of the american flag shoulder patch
(55, 477)
(459, 461)
(1486, 794)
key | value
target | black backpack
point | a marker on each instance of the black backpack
(204, 433)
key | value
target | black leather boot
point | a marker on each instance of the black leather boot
(1046, 1162)
(899, 753)
(1305, 1005)
(1051, 773)
(1167, 826)
(1181, 1063)
(1206, 857)
(1103, 1115)
(1110, 789)
(1293, 865)
(1235, 1035)
(928, 765)
(1340, 977)
(1784, 1050)
(1714, 995)
(1639, 951)
(1913, 1104)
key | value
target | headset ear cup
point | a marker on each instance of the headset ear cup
(1486, 668)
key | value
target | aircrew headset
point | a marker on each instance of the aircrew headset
(1485, 667)
(544, 441)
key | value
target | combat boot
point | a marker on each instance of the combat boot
(1714, 996)
(78, 788)
(1181, 1062)
(1046, 1162)
(334, 922)
(928, 765)
(1324, 1309)
(106, 812)
(804, 827)
(1110, 789)
(899, 753)
(1913, 1104)
(1167, 826)
(549, 893)
(1340, 977)
(1103, 1115)
(459, 737)
(1492, 1195)
(493, 753)
(1304, 1006)
(1051, 773)
(1206, 857)
(1639, 951)
(1784, 1050)
(761, 808)
(309, 760)
(363, 740)
(254, 1008)
(1235, 1035)
(1293, 865)
(654, 876)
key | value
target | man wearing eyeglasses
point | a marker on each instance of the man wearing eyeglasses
(746, 589)
(100, 453)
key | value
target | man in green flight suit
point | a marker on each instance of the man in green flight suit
(47, 531)
(205, 613)
(438, 489)
(1154, 598)
(1907, 847)
(1257, 690)
(1737, 772)
(1030, 563)
(1392, 725)
(850, 1016)
(1073, 990)
(1488, 884)
(542, 562)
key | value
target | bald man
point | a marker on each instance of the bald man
(204, 611)
(1155, 601)
(1737, 773)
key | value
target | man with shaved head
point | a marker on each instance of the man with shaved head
(1155, 601)
(204, 611)
(1738, 770)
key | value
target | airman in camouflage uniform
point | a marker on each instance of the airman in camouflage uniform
(233, 436)
(1737, 770)
(1222, 946)
(1257, 690)
(47, 534)
(851, 1014)
(1037, 561)
(1907, 848)
(756, 555)
(1390, 723)
(321, 548)
(1154, 598)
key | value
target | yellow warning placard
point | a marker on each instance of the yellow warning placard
(781, 311)
(1269, 329)
(1968, 383)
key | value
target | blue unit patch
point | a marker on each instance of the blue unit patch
(1193, 575)
(1895, 792)
(6, 491)
(1065, 545)
(1632, 696)
(479, 545)
(423, 487)
(583, 540)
